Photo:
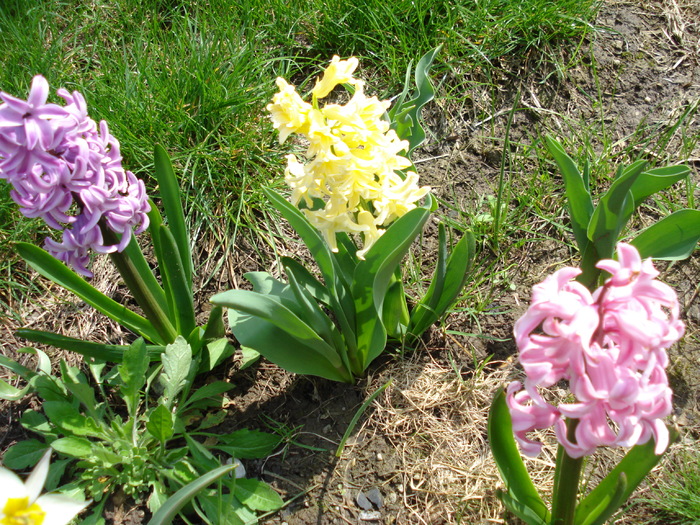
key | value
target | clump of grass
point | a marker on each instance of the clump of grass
(676, 498)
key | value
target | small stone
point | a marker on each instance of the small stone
(399, 487)
(647, 99)
(380, 456)
(363, 501)
(392, 497)
(370, 515)
(375, 497)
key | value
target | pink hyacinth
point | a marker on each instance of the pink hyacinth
(67, 170)
(611, 348)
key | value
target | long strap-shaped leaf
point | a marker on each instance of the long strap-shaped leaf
(280, 347)
(373, 276)
(604, 500)
(135, 255)
(342, 304)
(577, 192)
(405, 115)
(655, 180)
(672, 238)
(109, 353)
(179, 288)
(448, 280)
(273, 311)
(172, 203)
(521, 496)
(167, 512)
(57, 272)
(614, 210)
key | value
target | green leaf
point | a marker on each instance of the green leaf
(212, 419)
(215, 353)
(211, 390)
(172, 202)
(521, 496)
(395, 316)
(604, 500)
(36, 422)
(177, 361)
(84, 394)
(160, 423)
(10, 393)
(372, 278)
(249, 356)
(257, 495)
(110, 353)
(613, 211)
(405, 115)
(308, 281)
(309, 235)
(448, 281)
(215, 328)
(655, 180)
(158, 496)
(335, 281)
(67, 417)
(672, 238)
(22, 371)
(261, 322)
(247, 444)
(76, 447)
(315, 317)
(179, 288)
(133, 373)
(200, 454)
(577, 193)
(135, 255)
(59, 273)
(167, 512)
(24, 454)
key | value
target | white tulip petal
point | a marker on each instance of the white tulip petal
(59, 509)
(12, 487)
(35, 481)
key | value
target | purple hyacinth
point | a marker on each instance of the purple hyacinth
(67, 170)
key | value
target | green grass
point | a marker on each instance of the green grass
(197, 76)
(676, 498)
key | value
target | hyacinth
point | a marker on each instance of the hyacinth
(349, 181)
(610, 346)
(67, 170)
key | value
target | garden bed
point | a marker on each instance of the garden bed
(419, 453)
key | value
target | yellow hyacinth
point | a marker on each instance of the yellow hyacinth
(350, 182)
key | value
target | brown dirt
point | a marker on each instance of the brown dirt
(422, 442)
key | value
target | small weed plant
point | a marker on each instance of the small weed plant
(139, 428)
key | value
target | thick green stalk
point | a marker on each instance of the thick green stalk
(143, 297)
(566, 481)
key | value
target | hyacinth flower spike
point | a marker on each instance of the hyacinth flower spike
(610, 347)
(22, 502)
(67, 169)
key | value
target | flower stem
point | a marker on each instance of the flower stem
(142, 295)
(566, 480)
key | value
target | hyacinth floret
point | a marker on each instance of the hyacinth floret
(349, 181)
(609, 345)
(67, 170)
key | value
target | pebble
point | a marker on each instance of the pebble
(370, 515)
(375, 497)
(380, 456)
(363, 501)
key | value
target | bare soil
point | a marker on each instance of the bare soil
(419, 454)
